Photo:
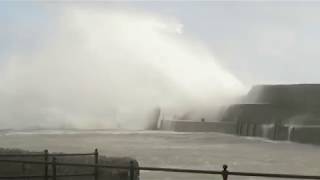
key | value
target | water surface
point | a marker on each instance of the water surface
(182, 150)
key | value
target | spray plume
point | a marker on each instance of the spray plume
(109, 69)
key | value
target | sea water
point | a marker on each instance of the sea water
(207, 151)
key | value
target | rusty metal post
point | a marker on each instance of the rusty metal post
(54, 169)
(46, 158)
(225, 172)
(96, 161)
(131, 171)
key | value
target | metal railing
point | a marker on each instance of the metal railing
(133, 170)
(46, 164)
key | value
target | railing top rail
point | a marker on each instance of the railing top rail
(179, 170)
(64, 164)
(49, 154)
(294, 176)
(271, 175)
(49, 176)
(71, 154)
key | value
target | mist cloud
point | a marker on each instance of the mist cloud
(107, 68)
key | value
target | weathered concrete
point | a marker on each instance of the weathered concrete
(278, 112)
(307, 134)
(198, 126)
(301, 95)
(274, 110)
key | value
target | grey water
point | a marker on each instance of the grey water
(208, 151)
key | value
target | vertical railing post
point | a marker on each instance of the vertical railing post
(225, 172)
(23, 169)
(46, 158)
(131, 171)
(96, 161)
(54, 169)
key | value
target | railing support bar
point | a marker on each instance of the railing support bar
(96, 161)
(131, 170)
(54, 169)
(23, 169)
(225, 172)
(46, 164)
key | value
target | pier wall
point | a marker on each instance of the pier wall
(198, 126)
(276, 112)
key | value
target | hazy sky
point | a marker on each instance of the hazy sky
(257, 42)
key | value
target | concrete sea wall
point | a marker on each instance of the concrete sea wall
(197, 126)
(277, 112)
(301, 134)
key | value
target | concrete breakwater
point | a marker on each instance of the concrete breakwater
(302, 134)
(277, 112)
(196, 126)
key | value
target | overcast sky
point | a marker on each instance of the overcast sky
(257, 42)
